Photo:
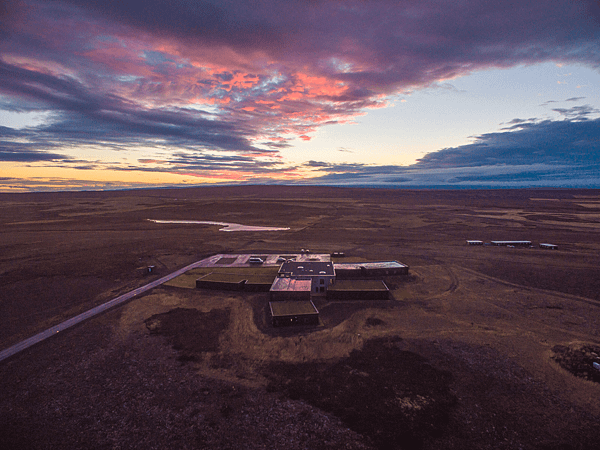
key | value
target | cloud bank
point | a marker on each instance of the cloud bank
(225, 86)
(547, 153)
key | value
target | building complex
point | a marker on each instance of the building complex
(304, 278)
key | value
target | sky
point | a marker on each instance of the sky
(119, 94)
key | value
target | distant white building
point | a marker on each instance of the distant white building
(512, 243)
(472, 242)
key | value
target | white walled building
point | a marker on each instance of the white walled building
(321, 274)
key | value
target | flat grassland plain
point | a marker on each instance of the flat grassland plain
(480, 347)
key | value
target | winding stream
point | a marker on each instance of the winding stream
(227, 226)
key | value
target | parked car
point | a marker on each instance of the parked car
(255, 260)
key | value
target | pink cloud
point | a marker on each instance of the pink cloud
(267, 70)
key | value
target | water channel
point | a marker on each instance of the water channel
(227, 226)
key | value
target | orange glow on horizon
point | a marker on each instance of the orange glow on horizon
(40, 177)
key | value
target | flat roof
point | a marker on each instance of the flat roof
(291, 284)
(223, 277)
(293, 308)
(307, 268)
(370, 265)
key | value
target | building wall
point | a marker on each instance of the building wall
(290, 295)
(257, 287)
(321, 283)
(220, 285)
(358, 295)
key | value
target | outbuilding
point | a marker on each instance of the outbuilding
(358, 290)
(472, 242)
(513, 243)
(287, 313)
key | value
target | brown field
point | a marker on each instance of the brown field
(481, 347)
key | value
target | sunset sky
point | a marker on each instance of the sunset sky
(109, 94)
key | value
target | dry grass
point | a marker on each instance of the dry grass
(487, 322)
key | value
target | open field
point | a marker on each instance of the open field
(481, 347)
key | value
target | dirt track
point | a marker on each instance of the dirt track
(485, 323)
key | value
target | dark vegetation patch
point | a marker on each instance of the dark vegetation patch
(374, 321)
(503, 406)
(190, 331)
(393, 397)
(81, 393)
(579, 360)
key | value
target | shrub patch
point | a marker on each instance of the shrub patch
(393, 397)
(190, 331)
(579, 360)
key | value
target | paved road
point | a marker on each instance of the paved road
(10, 351)
(207, 262)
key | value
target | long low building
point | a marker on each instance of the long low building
(514, 243)
(233, 282)
(370, 269)
(353, 289)
(474, 242)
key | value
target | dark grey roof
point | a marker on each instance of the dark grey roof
(293, 308)
(307, 268)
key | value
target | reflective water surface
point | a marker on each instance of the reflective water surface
(227, 226)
